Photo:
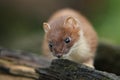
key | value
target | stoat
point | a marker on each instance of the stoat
(69, 35)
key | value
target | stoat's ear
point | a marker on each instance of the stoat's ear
(71, 21)
(46, 27)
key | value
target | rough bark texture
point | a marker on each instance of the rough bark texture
(61, 69)
(20, 65)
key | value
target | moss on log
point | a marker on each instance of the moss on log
(21, 65)
(61, 69)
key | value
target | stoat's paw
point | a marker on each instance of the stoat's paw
(89, 65)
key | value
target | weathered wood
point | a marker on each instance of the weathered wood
(17, 65)
(22, 57)
(61, 69)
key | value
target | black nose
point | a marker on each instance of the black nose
(59, 55)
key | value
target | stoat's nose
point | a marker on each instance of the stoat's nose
(58, 55)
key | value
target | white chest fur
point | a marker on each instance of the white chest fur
(80, 50)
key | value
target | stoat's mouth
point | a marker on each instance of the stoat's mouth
(60, 55)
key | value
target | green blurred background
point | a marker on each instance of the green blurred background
(21, 20)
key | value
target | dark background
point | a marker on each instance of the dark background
(21, 20)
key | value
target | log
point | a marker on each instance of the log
(62, 69)
(22, 65)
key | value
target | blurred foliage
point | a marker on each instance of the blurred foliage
(21, 20)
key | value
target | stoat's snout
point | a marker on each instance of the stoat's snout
(69, 35)
(61, 52)
(61, 37)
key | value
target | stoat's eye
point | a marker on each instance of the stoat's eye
(50, 44)
(67, 40)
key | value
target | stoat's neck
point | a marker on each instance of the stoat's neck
(80, 50)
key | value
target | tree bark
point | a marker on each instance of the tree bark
(21, 65)
(62, 69)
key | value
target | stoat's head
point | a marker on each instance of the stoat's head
(61, 35)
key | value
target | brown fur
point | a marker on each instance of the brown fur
(59, 32)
